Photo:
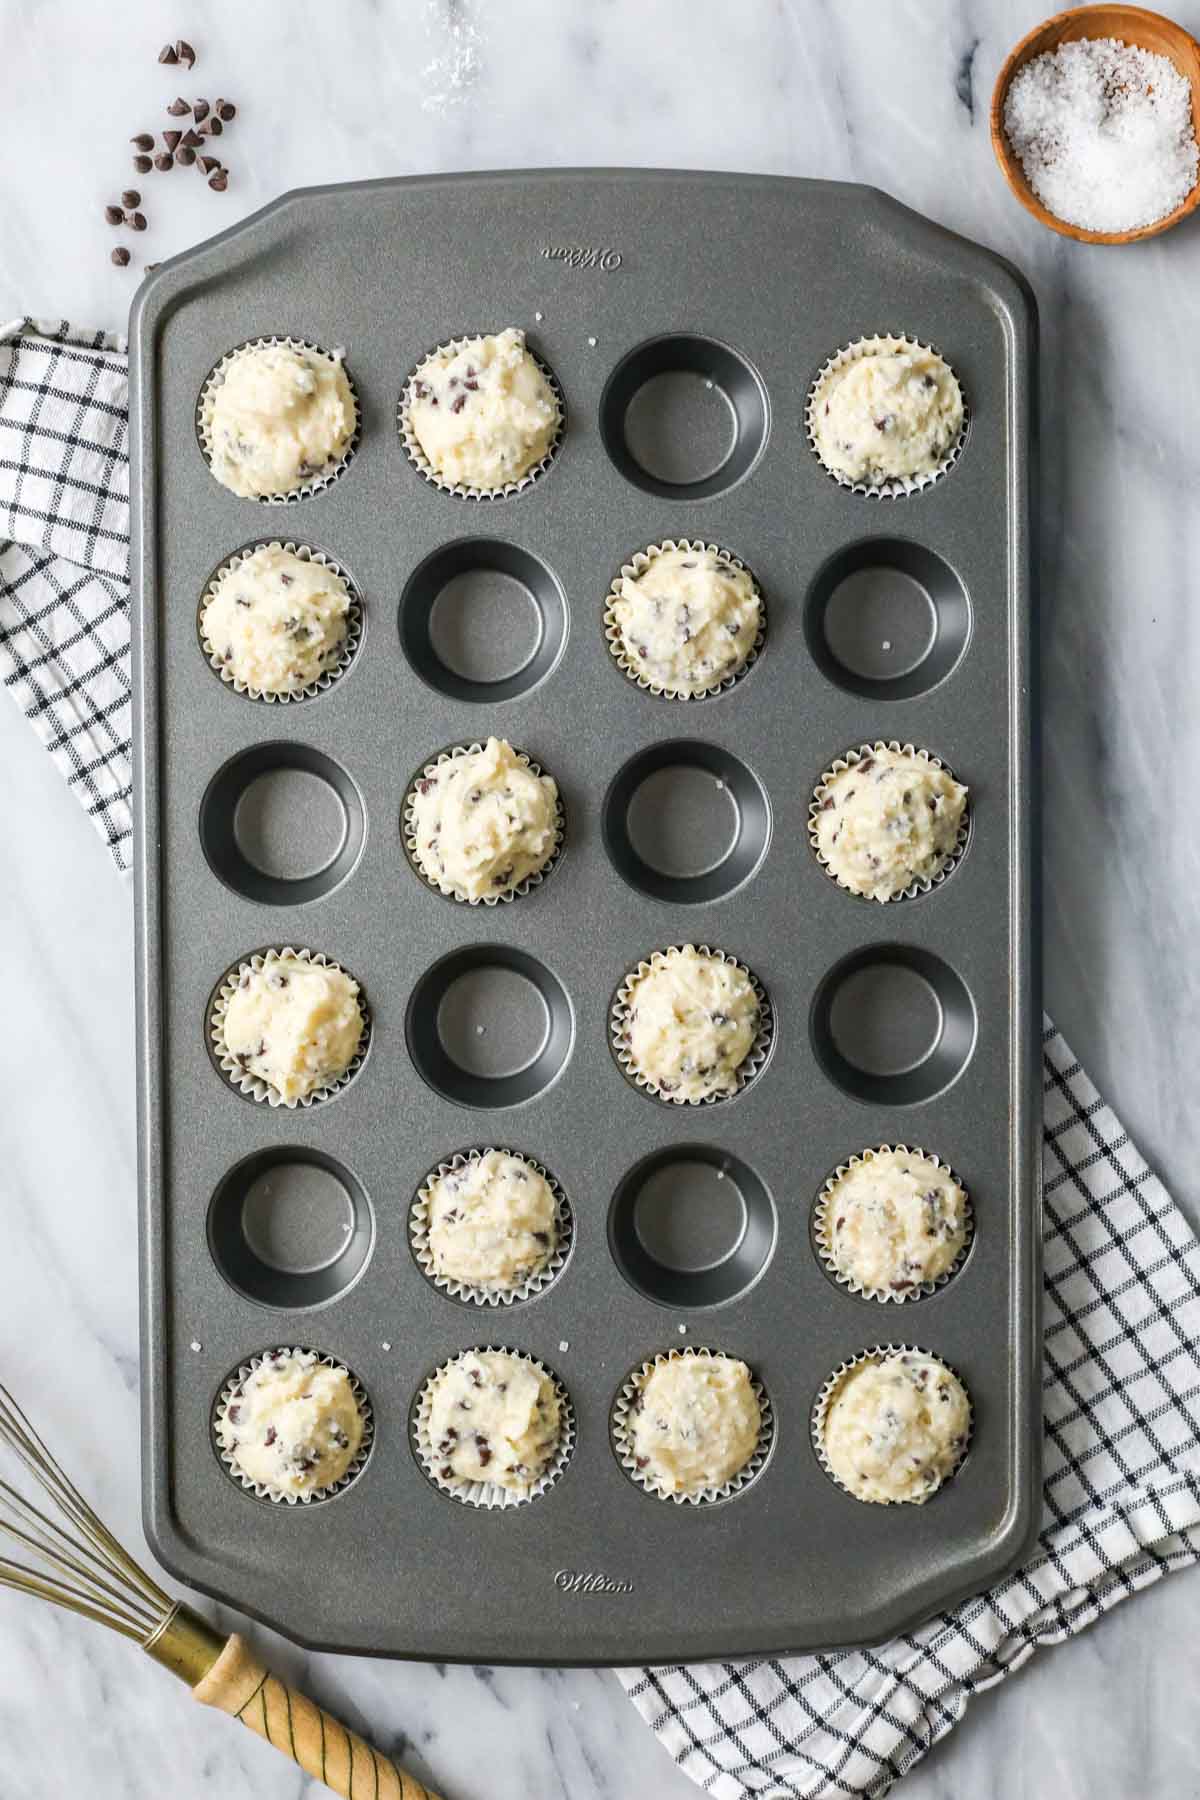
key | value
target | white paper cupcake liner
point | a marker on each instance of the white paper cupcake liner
(618, 1027)
(828, 1392)
(821, 1236)
(925, 884)
(460, 490)
(637, 565)
(350, 644)
(489, 1495)
(418, 1227)
(621, 1431)
(315, 483)
(252, 1086)
(896, 489)
(408, 834)
(230, 1390)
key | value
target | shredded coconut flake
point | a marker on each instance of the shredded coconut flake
(1104, 133)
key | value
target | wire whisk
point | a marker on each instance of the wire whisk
(64, 1553)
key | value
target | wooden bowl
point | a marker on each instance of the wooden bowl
(1133, 25)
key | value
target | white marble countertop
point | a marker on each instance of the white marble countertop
(894, 95)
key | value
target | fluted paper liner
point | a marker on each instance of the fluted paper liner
(278, 1496)
(459, 489)
(350, 643)
(637, 565)
(489, 1494)
(621, 1430)
(418, 1226)
(822, 1235)
(828, 1392)
(751, 1065)
(252, 1086)
(408, 833)
(204, 408)
(925, 884)
(897, 488)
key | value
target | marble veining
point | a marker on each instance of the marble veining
(895, 95)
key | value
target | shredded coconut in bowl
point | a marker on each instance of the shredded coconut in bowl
(1104, 133)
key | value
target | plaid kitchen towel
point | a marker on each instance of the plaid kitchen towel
(1121, 1498)
(64, 558)
(1122, 1267)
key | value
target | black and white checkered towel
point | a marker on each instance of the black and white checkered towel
(1122, 1267)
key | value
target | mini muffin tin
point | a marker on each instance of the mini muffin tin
(685, 318)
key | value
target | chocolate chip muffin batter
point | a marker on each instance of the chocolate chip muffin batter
(688, 621)
(889, 819)
(893, 1221)
(695, 1423)
(482, 411)
(493, 1417)
(896, 1427)
(276, 417)
(691, 1022)
(293, 1426)
(492, 1222)
(888, 410)
(276, 621)
(483, 822)
(294, 1024)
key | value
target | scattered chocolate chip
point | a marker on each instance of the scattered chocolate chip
(184, 52)
(205, 164)
(142, 141)
(171, 139)
(136, 221)
(219, 182)
(179, 107)
(185, 156)
(120, 256)
(270, 1437)
(200, 110)
(212, 128)
(168, 54)
(142, 164)
(192, 139)
(113, 215)
(225, 109)
(164, 161)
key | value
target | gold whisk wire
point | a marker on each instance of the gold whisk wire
(74, 1561)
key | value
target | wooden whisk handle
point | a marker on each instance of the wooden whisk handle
(235, 1682)
(238, 1684)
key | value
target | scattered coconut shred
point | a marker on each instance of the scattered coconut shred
(1104, 133)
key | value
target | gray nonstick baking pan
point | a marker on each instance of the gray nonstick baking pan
(685, 316)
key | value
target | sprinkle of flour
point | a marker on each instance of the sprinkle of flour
(1104, 133)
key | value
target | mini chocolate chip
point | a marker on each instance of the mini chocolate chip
(233, 1414)
(542, 1237)
(270, 1437)
(120, 256)
(225, 109)
(285, 580)
(200, 110)
(142, 164)
(219, 182)
(192, 139)
(164, 161)
(185, 156)
(205, 164)
(168, 54)
(113, 215)
(184, 52)
(171, 139)
(142, 141)
(136, 221)
(457, 405)
(212, 127)
(179, 107)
